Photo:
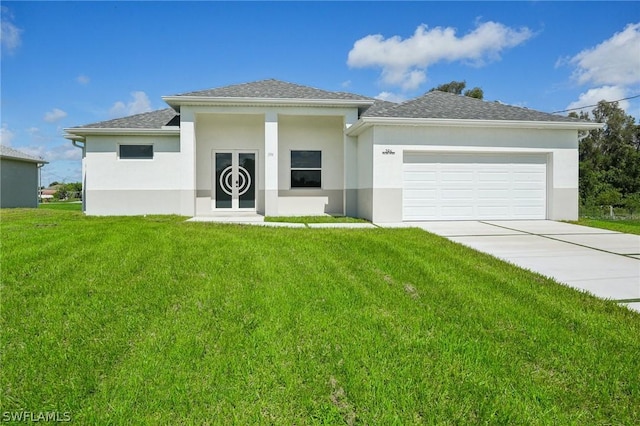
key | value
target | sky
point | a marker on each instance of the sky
(66, 64)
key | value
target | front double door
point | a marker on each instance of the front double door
(234, 180)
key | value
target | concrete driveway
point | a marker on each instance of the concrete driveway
(605, 263)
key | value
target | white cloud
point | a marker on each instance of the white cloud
(391, 97)
(83, 79)
(593, 96)
(6, 135)
(612, 66)
(54, 115)
(50, 153)
(615, 61)
(10, 35)
(139, 104)
(404, 62)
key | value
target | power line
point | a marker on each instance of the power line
(589, 106)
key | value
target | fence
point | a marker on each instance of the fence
(608, 212)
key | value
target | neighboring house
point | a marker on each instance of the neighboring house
(277, 148)
(19, 178)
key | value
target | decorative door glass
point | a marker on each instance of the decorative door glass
(246, 180)
(235, 180)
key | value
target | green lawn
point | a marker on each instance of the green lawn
(153, 320)
(629, 226)
(314, 219)
(61, 205)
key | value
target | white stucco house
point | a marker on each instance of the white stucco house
(275, 148)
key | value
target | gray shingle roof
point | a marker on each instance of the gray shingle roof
(274, 89)
(146, 120)
(450, 106)
(8, 152)
(379, 108)
(431, 105)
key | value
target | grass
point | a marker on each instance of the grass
(629, 226)
(314, 219)
(121, 320)
(61, 205)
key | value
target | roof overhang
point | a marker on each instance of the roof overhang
(80, 133)
(366, 122)
(177, 101)
(24, 159)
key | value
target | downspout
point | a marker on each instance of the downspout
(75, 143)
(39, 166)
(84, 151)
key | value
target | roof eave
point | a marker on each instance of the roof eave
(177, 101)
(80, 133)
(365, 122)
(25, 160)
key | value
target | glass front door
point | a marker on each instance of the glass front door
(234, 180)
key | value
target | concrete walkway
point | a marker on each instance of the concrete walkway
(604, 263)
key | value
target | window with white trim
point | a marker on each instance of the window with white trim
(306, 169)
(135, 152)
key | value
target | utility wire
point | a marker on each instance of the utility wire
(589, 106)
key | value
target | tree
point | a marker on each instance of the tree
(457, 87)
(476, 92)
(610, 158)
(69, 190)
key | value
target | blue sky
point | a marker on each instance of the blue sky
(72, 63)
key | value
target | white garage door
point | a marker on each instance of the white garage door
(474, 186)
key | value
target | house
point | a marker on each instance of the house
(19, 178)
(276, 148)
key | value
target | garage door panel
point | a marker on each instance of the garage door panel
(457, 194)
(493, 194)
(457, 211)
(474, 187)
(418, 194)
(493, 177)
(455, 176)
(424, 213)
(419, 203)
(528, 194)
(426, 175)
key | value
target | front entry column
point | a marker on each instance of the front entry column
(271, 164)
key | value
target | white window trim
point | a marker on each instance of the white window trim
(153, 152)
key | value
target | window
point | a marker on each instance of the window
(306, 169)
(136, 152)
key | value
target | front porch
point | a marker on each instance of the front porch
(268, 161)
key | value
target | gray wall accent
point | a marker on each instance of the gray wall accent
(203, 193)
(310, 202)
(351, 202)
(18, 184)
(387, 205)
(365, 203)
(563, 204)
(139, 202)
